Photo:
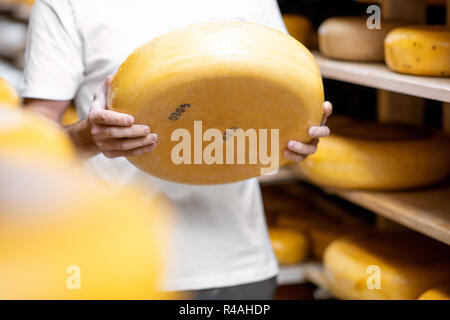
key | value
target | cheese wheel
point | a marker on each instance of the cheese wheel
(299, 27)
(385, 266)
(366, 155)
(439, 293)
(70, 116)
(349, 38)
(319, 228)
(229, 77)
(69, 230)
(419, 50)
(8, 95)
(290, 246)
(27, 136)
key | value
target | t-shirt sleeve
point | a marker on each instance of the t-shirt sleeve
(272, 15)
(53, 59)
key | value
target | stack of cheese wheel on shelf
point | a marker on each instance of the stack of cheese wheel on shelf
(349, 38)
(301, 29)
(419, 50)
(438, 293)
(290, 245)
(368, 155)
(222, 79)
(385, 266)
(65, 235)
(319, 228)
(8, 95)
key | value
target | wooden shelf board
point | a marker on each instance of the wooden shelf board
(377, 75)
(426, 210)
(309, 271)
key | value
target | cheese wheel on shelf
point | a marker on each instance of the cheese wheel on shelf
(230, 77)
(30, 137)
(366, 155)
(71, 237)
(438, 293)
(385, 266)
(8, 95)
(419, 50)
(300, 28)
(349, 38)
(290, 246)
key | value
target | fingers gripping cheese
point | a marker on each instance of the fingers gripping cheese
(223, 79)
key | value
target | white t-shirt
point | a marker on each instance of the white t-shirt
(219, 235)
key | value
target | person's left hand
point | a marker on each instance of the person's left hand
(298, 151)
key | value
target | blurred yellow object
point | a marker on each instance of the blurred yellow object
(8, 95)
(439, 293)
(70, 116)
(385, 266)
(31, 137)
(290, 246)
(65, 236)
(300, 28)
(367, 155)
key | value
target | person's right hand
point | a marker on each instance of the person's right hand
(115, 134)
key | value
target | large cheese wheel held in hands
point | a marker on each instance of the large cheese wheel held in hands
(8, 95)
(368, 155)
(226, 76)
(349, 38)
(408, 264)
(419, 50)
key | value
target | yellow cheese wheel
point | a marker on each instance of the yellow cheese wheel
(70, 116)
(385, 266)
(26, 136)
(319, 228)
(349, 38)
(290, 246)
(8, 95)
(225, 76)
(419, 50)
(300, 28)
(70, 237)
(366, 155)
(439, 293)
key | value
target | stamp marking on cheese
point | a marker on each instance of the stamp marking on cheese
(174, 116)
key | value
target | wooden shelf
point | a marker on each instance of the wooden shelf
(377, 75)
(426, 210)
(309, 271)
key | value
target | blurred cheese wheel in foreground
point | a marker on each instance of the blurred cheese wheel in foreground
(378, 156)
(8, 95)
(419, 50)
(70, 116)
(439, 293)
(408, 264)
(226, 76)
(349, 38)
(290, 246)
(299, 27)
(32, 137)
(65, 236)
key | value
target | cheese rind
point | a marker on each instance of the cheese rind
(228, 75)
(8, 95)
(290, 246)
(300, 28)
(438, 293)
(360, 155)
(349, 38)
(385, 266)
(419, 50)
